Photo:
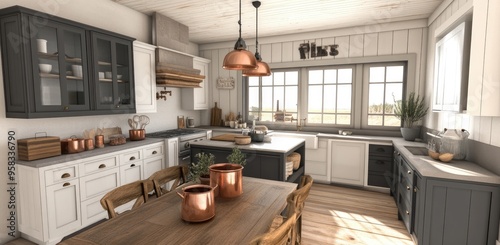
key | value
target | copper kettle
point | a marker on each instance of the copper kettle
(198, 203)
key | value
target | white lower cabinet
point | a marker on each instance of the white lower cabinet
(317, 165)
(348, 160)
(172, 152)
(63, 208)
(131, 172)
(59, 199)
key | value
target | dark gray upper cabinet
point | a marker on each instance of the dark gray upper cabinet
(113, 64)
(51, 67)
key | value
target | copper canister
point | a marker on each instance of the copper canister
(72, 145)
(137, 134)
(99, 141)
(198, 203)
(89, 144)
(228, 178)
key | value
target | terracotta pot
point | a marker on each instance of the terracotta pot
(198, 203)
(228, 177)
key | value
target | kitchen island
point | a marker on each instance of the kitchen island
(266, 160)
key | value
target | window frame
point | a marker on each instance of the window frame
(353, 94)
(365, 96)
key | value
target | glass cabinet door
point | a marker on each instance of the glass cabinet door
(59, 68)
(113, 65)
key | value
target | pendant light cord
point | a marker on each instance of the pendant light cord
(256, 29)
(239, 20)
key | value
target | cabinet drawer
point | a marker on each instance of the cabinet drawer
(405, 190)
(92, 211)
(54, 176)
(153, 151)
(130, 156)
(380, 164)
(98, 165)
(405, 171)
(99, 183)
(406, 213)
(378, 179)
(381, 150)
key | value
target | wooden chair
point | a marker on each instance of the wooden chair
(280, 236)
(295, 205)
(137, 190)
(175, 173)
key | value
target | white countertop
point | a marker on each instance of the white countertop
(278, 144)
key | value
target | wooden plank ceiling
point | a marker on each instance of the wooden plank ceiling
(212, 21)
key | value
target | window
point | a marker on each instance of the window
(330, 96)
(359, 96)
(274, 98)
(451, 70)
(385, 86)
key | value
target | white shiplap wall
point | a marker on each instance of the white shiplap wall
(482, 129)
(407, 37)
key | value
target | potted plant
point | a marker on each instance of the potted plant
(200, 170)
(237, 157)
(410, 111)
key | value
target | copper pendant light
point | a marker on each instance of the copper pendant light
(263, 69)
(239, 58)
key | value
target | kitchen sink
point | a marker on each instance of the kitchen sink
(417, 150)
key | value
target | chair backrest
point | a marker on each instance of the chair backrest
(296, 199)
(137, 190)
(295, 205)
(282, 235)
(174, 173)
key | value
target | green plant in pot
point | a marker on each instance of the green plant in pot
(237, 157)
(199, 171)
(410, 111)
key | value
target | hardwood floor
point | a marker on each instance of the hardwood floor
(339, 215)
(344, 216)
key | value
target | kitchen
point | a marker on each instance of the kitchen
(416, 34)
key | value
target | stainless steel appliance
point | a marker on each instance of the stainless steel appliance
(185, 137)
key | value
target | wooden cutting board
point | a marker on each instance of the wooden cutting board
(225, 137)
(215, 117)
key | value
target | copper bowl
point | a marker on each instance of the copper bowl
(228, 176)
(137, 134)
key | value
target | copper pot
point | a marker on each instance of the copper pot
(228, 176)
(72, 145)
(198, 203)
(137, 134)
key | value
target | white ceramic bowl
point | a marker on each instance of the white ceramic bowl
(45, 68)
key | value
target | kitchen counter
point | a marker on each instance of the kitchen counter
(85, 154)
(278, 144)
(264, 160)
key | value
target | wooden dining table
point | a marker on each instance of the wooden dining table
(237, 220)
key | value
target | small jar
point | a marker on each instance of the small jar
(99, 141)
(89, 144)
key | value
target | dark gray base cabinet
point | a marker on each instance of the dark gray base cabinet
(51, 67)
(457, 213)
(265, 165)
(441, 211)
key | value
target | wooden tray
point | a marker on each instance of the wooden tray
(225, 137)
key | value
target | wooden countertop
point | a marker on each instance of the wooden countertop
(237, 220)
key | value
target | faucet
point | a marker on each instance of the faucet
(300, 122)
